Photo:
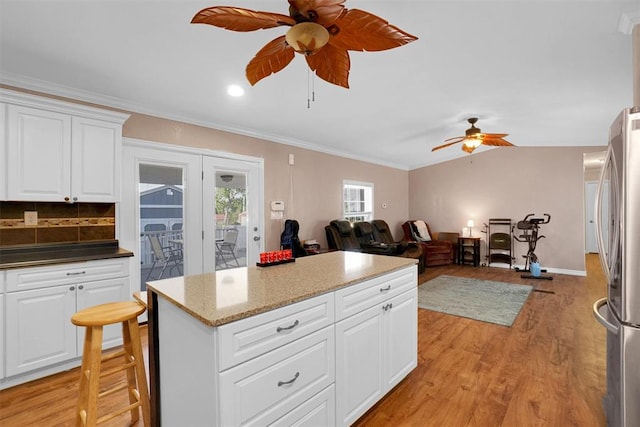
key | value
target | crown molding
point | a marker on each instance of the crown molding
(26, 83)
(628, 20)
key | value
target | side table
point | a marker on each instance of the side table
(469, 250)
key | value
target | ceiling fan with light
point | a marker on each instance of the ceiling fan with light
(322, 30)
(474, 138)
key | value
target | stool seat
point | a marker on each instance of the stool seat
(107, 314)
(94, 319)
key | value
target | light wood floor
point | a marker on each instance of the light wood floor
(548, 369)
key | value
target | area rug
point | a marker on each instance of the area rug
(488, 301)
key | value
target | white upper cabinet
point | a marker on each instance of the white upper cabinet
(95, 160)
(38, 155)
(57, 151)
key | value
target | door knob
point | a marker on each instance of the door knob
(256, 238)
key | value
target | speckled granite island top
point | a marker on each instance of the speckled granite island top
(229, 295)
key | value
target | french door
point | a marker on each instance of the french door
(171, 218)
(232, 207)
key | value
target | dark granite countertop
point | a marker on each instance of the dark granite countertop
(59, 253)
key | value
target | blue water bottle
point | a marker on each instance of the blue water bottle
(535, 269)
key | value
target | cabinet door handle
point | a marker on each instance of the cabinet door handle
(77, 273)
(385, 289)
(72, 288)
(295, 377)
(286, 328)
(80, 287)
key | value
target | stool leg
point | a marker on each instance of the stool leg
(131, 372)
(133, 347)
(87, 409)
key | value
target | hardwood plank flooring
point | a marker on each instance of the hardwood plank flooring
(548, 369)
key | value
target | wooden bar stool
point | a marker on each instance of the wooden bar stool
(94, 319)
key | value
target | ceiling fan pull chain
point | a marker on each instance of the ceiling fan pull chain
(311, 87)
(308, 88)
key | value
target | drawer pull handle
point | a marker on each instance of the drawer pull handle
(77, 273)
(295, 377)
(385, 289)
(280, 328)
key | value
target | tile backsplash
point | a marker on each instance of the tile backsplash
(57, 222)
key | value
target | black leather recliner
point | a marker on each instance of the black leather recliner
(340, 236)
(382, 233)
(362, 237)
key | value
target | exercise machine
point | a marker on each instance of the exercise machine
(530, 227)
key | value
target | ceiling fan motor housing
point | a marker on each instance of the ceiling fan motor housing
(472, 130)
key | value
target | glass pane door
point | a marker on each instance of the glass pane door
(230, 219)
(161, 203)
(232, 209)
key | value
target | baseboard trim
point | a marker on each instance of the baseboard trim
(582, 273)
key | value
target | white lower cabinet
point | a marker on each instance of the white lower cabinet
(260, 391)
(102, 292)
(39, 328)
(375, 350)
(400, 338)
(317, 362)
(318, 411)
(359, 352)
(39, 335)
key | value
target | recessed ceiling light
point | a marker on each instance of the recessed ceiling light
(235, 90)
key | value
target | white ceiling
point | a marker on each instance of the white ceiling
(549, 73)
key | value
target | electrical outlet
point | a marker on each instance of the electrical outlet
(30, 218)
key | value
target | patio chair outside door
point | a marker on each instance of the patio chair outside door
(227, 247)
(166, 256)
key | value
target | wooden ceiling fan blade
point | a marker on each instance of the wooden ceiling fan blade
(457, 139)
(323, 12)
(273, 57)
(331, 64)
(239, 19)
(497, 142)
(494, 135)
(363, 31)
(445, 145)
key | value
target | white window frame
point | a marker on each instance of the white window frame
(366, 214)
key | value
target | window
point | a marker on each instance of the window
(357, 201)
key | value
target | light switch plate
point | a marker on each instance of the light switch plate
(30, 218)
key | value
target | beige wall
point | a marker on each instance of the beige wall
(509, 183)
(317, 177)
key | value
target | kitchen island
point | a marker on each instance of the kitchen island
(314, 342)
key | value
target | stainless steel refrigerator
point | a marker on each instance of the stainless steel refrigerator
(619, 312)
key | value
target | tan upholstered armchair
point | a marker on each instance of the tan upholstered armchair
(436, 252)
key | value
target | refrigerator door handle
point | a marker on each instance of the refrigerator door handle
(602, 250)
(614, 329)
